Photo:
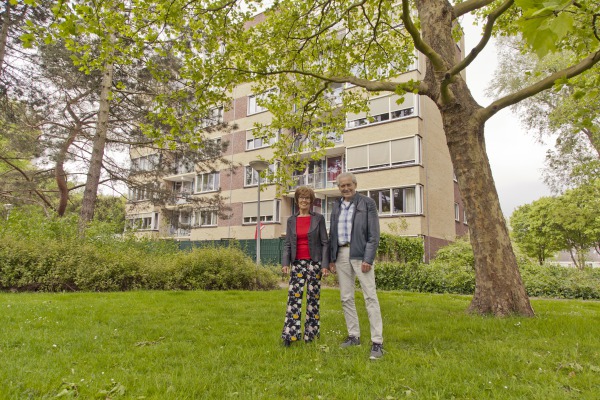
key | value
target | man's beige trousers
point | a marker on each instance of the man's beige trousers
(347, 270)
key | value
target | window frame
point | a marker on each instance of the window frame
(216, 182)
(199, 218)
(273, 218)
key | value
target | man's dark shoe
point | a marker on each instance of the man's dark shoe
(350, 341)
(376, 351)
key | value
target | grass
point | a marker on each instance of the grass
(226, 345)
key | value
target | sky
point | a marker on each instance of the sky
(517, 159)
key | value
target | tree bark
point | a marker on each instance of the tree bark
(99, 143)
(4, 33)
(60, 174)
(499, 289)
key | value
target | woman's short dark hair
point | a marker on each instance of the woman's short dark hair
(304, 191)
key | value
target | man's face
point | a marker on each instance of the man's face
(347, 188)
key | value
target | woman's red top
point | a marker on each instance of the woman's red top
(302, 226)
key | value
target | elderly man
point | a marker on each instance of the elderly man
(353, 240)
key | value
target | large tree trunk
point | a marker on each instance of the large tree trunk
(4, 33)
(93, 177)
(499, 289)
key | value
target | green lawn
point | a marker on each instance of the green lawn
(226, 345)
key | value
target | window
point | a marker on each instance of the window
(138, 194)
(302, 143)
(183, 187)
(212, 149)
(208, 182)
(142, 222)
(464, 216)
(256, 142)
(406, 200)
(383, 109)
(214, 117)
(269, 211)
(146, 163)
(456, 212)
(405, 151)
(205, 218)
(256, 101)
(184, 166)
(251, 176)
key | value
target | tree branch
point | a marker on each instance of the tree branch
(547, 83)
(487, 34)
(436, 60)
(469, 5)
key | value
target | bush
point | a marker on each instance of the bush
(45, 254)
(400, 248)
(452, 272)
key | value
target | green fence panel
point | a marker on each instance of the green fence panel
(270, 249)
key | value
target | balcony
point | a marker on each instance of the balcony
(304, 146)
(176, 232)
(319, 180)
(179, 198)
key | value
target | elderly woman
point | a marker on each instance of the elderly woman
(306, 250)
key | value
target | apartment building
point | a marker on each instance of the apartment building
(398, 153)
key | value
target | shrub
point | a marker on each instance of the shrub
(45, 254)
(452, 272)
(399, 248)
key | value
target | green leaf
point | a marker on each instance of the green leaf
(28, 39)
(561, 25)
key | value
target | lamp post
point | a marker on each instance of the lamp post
(8, 207)
(258, 166)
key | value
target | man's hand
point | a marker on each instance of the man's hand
(285, 270)
(365, 267)
(332, 267)
(324, 272)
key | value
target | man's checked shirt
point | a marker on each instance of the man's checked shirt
(345, 222)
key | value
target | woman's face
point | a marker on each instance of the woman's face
(304, 204)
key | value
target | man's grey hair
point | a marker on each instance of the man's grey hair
(345, 175)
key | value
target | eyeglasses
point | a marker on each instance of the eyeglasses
(303, 198)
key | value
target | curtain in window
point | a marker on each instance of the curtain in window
(403, 150)
(379, 154)
(411, 200)
(250, 210)
(356, 157)
(409, 102)
(379, 106)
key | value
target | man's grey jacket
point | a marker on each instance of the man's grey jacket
(364, 237)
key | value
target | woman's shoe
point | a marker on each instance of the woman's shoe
(287, 343)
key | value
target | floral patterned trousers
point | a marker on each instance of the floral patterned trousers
(303, 272)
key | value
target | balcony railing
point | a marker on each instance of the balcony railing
(178, 232)
(305, 143)
(179, 198)
(319, 180)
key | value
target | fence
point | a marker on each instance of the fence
(270, 249)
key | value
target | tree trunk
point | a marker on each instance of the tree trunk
(99, 143)
(59, 172)
(4, 33)
(499, 289)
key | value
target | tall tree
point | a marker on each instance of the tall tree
(532, 229)
(576, 221)
(307, 48)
